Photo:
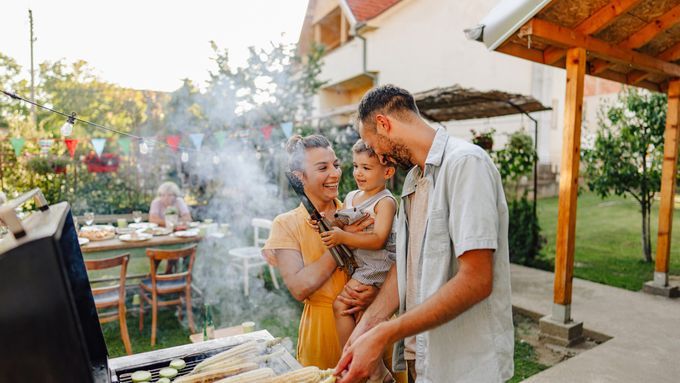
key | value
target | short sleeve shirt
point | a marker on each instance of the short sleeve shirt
(157, 207)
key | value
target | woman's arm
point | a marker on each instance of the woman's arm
(303, 280)
(373, 240)
(154, 213)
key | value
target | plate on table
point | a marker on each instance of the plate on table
(135, 237)
(156, 231)
(194, 224)
(83, 241)
(143, 225)
(186, 233)
(98, 228)
(125, 230)
(97, 232)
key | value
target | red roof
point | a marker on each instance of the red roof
(364, 10)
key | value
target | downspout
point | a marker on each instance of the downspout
(364, 63)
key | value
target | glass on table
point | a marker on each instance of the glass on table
(137, 216)
(89, 218)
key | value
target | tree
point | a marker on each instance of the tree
(627, 153)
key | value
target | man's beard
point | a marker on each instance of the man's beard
(399, 155)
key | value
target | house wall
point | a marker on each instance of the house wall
(420, 45)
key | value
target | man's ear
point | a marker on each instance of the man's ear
(383, 125)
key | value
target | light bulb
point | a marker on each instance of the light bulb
(143, 147)
(185, 157)
(258, 155)
(67, 128)
(216, 159)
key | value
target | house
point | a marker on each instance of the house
(420, 45)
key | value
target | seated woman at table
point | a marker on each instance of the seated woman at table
(168, 196)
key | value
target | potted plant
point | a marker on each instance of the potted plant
(107, 162)
(45, 165)
(483, 139)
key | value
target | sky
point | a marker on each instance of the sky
(146, 44)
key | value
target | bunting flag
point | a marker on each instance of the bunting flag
(17, 144)
(197, 139)
(267, 131)
(287, 128)
(98, 144)
(45, 145)
(221, 136)
(173, 141)
(71, 144)
(124, 145)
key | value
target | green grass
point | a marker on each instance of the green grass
(525, 362)
(608, 240)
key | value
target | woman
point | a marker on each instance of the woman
(306, 266)
(168, 196)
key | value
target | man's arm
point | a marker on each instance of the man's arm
(303, 280)
(472, 284)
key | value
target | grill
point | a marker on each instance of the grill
(44, 287)
(123, 367)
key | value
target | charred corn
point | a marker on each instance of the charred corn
(216, 374)
(304, 375)
(245, 349)
(256, 376)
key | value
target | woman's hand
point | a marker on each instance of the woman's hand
(334, 237)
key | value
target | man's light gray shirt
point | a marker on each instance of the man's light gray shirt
(466, 211)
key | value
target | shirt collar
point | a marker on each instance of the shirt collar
(434, 158)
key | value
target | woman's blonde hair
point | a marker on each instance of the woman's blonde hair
(169, 187)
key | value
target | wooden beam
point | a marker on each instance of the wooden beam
(670, 54)
(623, 79)
(598, 21)
(668, 176)
(552, 34)
(571, 149)
(645, 34)
(521, 51)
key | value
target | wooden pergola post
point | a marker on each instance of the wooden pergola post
(669, 171)
(559, 327)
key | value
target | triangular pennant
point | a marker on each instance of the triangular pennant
(71, 144)
(287, 128)
(173, 141)
(221, 136)
(267, 131)
(124, 145)
(197, 139)
(45, 145)
(98, 144)
(17, 144)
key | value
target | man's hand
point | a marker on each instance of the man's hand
(334, 237)
(358, 297)
(361, 358)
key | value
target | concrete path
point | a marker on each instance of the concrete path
(645, 330)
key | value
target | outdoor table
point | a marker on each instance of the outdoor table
(117, 244)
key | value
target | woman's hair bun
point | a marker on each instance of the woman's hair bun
(293, 142)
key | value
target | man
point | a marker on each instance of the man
(451, 282)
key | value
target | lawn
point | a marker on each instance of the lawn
(608, 240)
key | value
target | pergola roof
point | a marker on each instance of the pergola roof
(634, 42)
(458, 103)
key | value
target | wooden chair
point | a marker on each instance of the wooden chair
(106, 297)
(251, 257)
(176, 283)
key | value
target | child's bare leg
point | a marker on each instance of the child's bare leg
(344, 324)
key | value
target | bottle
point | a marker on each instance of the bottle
(210, 328)
(205, 322)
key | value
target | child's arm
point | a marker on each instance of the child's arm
(374, 240)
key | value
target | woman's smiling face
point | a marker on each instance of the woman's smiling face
(321, 173)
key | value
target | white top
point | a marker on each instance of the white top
(466, 211)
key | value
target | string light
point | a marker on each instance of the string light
(67, 128)
(184, 157)
(143, 147)
(216, 159)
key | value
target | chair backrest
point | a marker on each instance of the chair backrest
(260, 224)
(109, 263)
(156, 256)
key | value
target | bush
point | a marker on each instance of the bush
(524, 240)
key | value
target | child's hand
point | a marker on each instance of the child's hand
(333, 237)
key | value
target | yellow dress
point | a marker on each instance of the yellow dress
(318, 343)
